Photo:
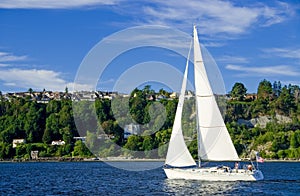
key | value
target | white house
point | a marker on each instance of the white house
(58, 143)
(18, 141)
(131, 129)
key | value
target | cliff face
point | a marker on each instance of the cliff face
(263, 120)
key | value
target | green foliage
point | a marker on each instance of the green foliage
(238, 91)
(265, 91)
(81, 150)
(39, 124)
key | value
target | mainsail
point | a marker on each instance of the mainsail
(214, 140)
(178, 154)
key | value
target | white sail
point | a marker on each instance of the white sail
(178, 154)
(214, 139)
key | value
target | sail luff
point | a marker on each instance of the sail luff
(214, 140)
(178, 154)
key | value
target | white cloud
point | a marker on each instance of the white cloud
(232, 59)
(35, 79)
(53, 4)
(11, 75)
(215, 16)
(277, 14)
(212, 16)
(4, 65)
(8, 57)
(79, 87)
(279, 70)
(284, 52)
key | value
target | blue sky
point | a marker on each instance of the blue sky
(42, 43)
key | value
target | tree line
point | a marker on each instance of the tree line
(40, 124)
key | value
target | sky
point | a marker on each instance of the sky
(44, 43)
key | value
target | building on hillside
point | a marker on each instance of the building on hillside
(251, 96)
(80, 138)
(58, 143)
(173, 95)
(131, 129)
(18, 141)
(34, 154)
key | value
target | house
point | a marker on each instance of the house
(105, 136)
(18, 141)
(173, 95)
(252, 96)
(34, 154)
(131, 129)
(80, 138)
(58, 143)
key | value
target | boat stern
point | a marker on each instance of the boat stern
(258, 175)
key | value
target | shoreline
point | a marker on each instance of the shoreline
(114, 159)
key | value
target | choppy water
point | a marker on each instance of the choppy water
(98, 178)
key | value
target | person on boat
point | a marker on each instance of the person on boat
(236, 166)
(250, 167)
(226, 169)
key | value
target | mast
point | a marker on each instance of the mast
(196, 43)
(198, 137)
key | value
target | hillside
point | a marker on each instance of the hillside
(268, 121)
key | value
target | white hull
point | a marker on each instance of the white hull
(213, 174)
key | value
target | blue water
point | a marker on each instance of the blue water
(98, 178)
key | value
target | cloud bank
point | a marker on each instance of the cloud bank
(53, 4)
(212, 16)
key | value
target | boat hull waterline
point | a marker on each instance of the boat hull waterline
(213, 174)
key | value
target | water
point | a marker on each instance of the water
(97, 178)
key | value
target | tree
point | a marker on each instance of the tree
(265, 90)
(133, 143)
(147, 146)
(66, 90)
(295, 139)
(30, 91)
(238, 91)
(277, 88)
(81, 150)
(52, 129)
(138, 105)
(285, 102)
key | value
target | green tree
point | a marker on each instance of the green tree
(238, 91)
(138, 105)
(147, 146)
(81, 150)
(295, 139)
(265, 90)
(285, 102)
(30, 91)
(133, 143)
(52, 129)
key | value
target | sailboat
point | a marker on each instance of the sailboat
(214, 142)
